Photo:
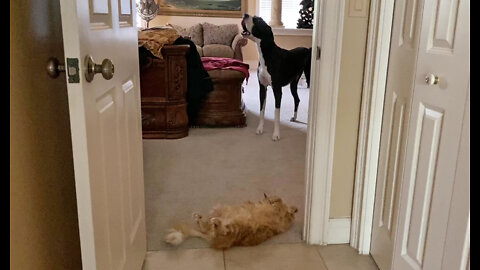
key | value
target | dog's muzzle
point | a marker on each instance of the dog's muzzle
(245, 31)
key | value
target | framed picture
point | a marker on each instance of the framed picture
(203, 8)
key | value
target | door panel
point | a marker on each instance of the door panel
(394, 150)
(409, 27)
(400, 78)
(443, 26)
(434, 138)
(105, 189)
(428, 128)
(458, 232)
(100, 14)
(106, 134)
(125, 15)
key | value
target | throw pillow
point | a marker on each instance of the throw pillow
(219, 34)
(194, 33)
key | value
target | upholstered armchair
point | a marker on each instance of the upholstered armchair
(238, 42)
(215, 40)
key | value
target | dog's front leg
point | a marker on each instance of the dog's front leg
(263, 101)
(296, 99)
(277, 91)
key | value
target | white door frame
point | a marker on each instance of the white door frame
(327, 35)
(374, 87)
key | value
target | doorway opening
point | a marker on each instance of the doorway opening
(229, 165)
(236, 170)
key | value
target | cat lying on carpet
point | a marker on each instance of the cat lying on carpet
(247, 224)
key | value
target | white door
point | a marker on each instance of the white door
(400, 77)
(106, 132)
(433, 166)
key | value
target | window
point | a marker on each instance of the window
(290, 12)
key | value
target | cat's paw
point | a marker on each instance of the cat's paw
(174, 237)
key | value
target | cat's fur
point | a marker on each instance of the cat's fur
(247, 224)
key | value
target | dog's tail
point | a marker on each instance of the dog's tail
(176, 235)
(308, 66)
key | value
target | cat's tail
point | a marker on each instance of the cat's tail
(176, 235)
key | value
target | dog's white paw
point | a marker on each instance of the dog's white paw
(276, 136)
(174, 237)
(259, 130)
(294, 118)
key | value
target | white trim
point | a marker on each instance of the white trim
(327, 34)
(292, 32)
(339, 231)
(375, 76)
(465, 261)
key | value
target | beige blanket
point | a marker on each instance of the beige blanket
(153, 39)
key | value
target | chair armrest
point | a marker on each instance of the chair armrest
(238, 42)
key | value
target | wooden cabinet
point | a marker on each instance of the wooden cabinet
(163, 87)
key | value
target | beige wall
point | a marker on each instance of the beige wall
(348, 112)
(43, 216)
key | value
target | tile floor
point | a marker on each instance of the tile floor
(266, 257)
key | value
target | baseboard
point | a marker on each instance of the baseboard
(339, 230)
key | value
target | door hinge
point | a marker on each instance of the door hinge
(73, 70)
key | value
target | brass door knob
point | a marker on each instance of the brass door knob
(54, 68)
(106, 68)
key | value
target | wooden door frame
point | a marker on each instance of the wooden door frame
(328, 34)
(368, 148)
(325, 70)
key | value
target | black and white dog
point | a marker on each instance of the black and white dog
(277, 67)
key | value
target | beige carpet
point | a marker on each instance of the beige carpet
(226, 165)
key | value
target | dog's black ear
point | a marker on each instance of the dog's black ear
(265, 195)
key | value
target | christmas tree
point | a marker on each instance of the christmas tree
(306, 15)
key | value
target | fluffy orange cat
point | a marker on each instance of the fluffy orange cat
(247, 224)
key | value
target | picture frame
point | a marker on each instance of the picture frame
(203, 8)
